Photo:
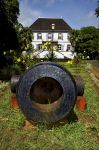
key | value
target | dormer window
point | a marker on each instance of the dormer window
(39, 36)
(60, 36)
(53, 26)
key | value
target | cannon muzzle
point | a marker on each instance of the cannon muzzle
(47, 92)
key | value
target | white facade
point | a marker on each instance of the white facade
(55, 31)
(64, 48)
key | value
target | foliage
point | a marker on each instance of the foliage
(14, 37)
(76, 60)
(97, 9)
(9, 11)
(12, 10)
(69, 62)
(3, 87)
(51, 48)
(74, 38)
(26, 60)
(7, 72)
(22, 59)
(24, 35)
(86, 41)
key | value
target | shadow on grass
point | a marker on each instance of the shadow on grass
(71, 118)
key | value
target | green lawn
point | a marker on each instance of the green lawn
(80, 135)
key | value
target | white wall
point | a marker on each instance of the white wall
(55, 37)
(64, 42)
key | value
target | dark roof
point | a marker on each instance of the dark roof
(45, 24)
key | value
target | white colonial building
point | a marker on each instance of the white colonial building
(56, 31)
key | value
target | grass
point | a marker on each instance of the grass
(80, 135)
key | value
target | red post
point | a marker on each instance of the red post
(14, 101)
(81, 103)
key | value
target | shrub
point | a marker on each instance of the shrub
(8, 71)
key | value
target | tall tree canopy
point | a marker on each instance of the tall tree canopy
(24, 35)
(9, 11)
(86, 41)
(12, 10)
(75, 38)
(97, 9)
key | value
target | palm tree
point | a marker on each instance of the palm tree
(74, 38)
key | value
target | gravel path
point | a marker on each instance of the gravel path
(94, 62)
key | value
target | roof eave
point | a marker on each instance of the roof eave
(52, 30)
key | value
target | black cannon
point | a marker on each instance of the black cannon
(47, 92)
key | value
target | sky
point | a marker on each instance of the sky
(77, 13)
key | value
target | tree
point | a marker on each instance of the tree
(23, 56)
(90, 41)
(51, 48)
(24, 35)
(86, 41)
(97, 9)
(9, 11)
(12, 10)
(75, 39)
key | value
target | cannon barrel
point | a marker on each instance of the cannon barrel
(79, 84)
(78, 79)
(47, 92)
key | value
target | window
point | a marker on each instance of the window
(60, 36)
(39, 36)
(59, 47)
(33, 36)
(68, 36)
(49, 36)
(68, 47)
